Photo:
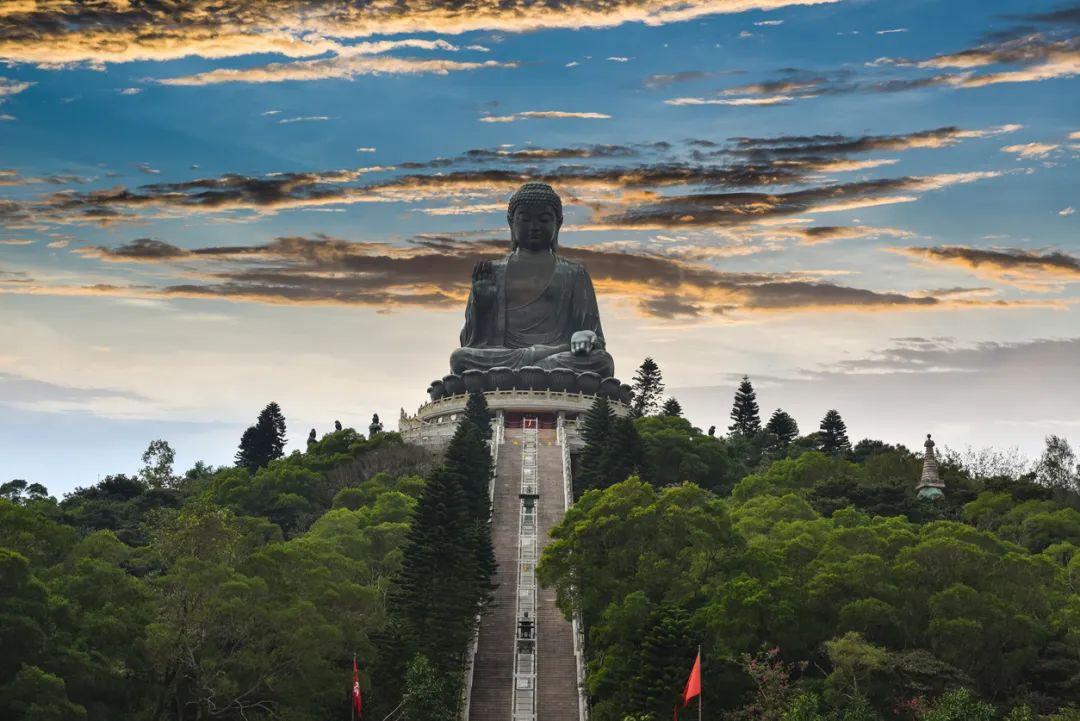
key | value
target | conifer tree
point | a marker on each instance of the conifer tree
(476, 410)
(375, 427)
(671, 407)
(623, 455)
(782, 430)
(666, 655)
(264, 441)
(596, 434)
(833, 435)
(648, 387)
(744, 412)
(448, 559)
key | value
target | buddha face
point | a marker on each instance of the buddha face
(535, 227)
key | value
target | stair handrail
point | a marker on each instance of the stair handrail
(575, 620)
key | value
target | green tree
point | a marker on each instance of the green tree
(833, 439)
(430, 695)
(672, 407)
(744, 412)
(664, 661)
(782, 431)
(1057, 466)
(157, 471)
(264, 441)
(476, 410)
(622, 453)
(594, 456)
(648, 387)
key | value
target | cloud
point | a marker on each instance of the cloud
(734, 208)
(830, 233)
(332, 68)
(304, 119)
(367, 149)
(58, 35)
(434, 271)
(771, 100)
(544, 115)
(890, 31)
(15, 241)
(130, 91)
(1031, 150)
(9, 87)
(1026, 269)
(663, 80)
(1034, 55)
(614, 183)
(27, 393)
(768, 23)
(1066, 211)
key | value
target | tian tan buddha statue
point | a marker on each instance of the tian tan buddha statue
(533, 307)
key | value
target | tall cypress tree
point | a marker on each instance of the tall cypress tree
(744, 412)
(476, 410)
(648, 387)
(672, 407)
(782, 430)
(834, 440)
(264, 441)
(596, 434)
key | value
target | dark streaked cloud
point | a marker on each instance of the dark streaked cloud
(1023, 268)
(434, 272)
(54, 34)
(1049, 50)
(621, 181)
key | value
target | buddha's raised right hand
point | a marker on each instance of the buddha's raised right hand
(483, 283)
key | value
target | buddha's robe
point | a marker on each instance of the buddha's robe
(538, 332)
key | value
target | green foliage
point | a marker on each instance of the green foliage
(746, 421)
(157, 461)
(430, 694)
(476, 411)
(672, 407)
(833, 439)
(648, 387)
(673, 451)
(781, 431)
(960, 705)
(264, 441)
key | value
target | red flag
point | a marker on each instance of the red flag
(357, 701)
(693, 685)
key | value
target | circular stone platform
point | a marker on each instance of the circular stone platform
(434, 422)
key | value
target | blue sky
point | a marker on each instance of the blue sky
(862, 204)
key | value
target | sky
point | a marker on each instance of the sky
(205, 206)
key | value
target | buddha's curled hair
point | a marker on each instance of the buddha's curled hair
(534, 193)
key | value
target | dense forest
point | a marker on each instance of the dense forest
(818, 585)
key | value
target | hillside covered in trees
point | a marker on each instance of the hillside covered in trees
(819, 586)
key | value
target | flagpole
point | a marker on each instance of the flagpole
(701, 691)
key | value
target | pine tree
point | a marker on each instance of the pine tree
(623, 453)
(834, 440)
(664, 661)
(744, 412)
(375, 427)
(476, 410)
(264, 441)
(596, 434)
(671, 407)
(782, 430)
(448, 559)
(648, 387)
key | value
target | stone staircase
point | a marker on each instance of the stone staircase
(493, 670)
(556, 667)
(492, 686)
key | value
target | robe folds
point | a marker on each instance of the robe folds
(538, 332)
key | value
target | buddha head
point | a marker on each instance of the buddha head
(535, 216)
